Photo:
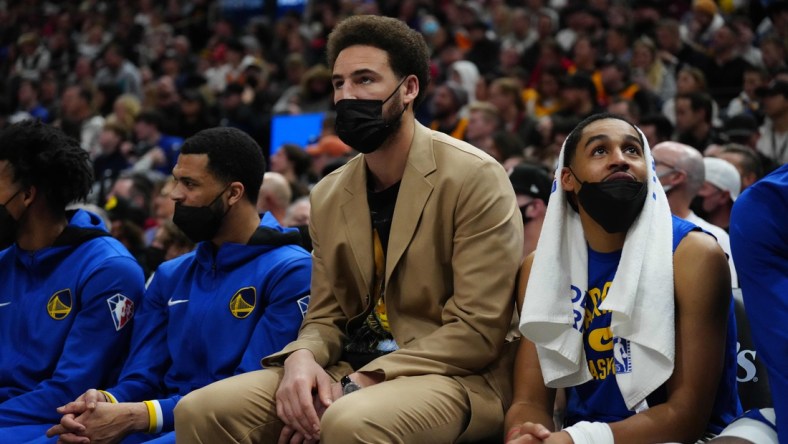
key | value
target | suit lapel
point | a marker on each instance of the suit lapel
(413, 194)
(358, 225)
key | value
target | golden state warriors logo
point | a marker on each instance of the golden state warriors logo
(59, 305)
(243, 301)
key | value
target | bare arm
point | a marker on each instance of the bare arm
(532, 401)
(702, 293)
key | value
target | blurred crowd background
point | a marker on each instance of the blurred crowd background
(132, 79)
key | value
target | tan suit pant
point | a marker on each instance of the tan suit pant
(241, 409)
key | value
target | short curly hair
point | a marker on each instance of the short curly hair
(408, 52)
(46, 158)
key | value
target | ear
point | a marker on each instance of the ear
(29, 195)
(236, 192)
(567, 180)
(412, 89)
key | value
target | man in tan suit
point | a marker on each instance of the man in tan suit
(416, 245)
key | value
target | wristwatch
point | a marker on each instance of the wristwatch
(348, 386)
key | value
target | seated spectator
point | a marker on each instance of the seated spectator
(154, 150)
(111, 160)
(312, 95)
(275, 196)
(629, 375)
(69, 289)
(681, 171)
(743, 129)
(747, 101)
(656, 127)
(720, 190)
(118, 70)
(689, 80)
(79, 119)
(484, 120)
(507, 95)
(448, 100)
(545, 98)
(694, 124)
(209, 314)
(774, 131)
(616, 80)
(531, 185)
(578, 98)
(294, 163)
(649, 72)
(746, 162)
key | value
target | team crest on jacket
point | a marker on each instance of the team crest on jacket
(122, 310)
(59, 305)
(243, 301)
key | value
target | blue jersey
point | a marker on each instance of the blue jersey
(212, 314)
(65, 315)
(600, 398)
(759, 240)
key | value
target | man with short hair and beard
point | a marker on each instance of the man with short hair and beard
(211, 313)
(681, 172)
(447, 101)
(416, 245)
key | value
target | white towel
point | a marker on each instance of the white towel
(640, 297)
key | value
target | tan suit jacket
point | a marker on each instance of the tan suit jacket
(453, 253)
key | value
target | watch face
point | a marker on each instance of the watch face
(350, 388)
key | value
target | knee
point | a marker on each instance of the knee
(350, 420)
(192, 408)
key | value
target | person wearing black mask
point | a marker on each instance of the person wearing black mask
(608, 317)
(417, 242)
(532, 186)
(69, 290)
(208, 314)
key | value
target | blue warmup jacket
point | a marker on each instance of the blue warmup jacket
(213, 314)
(65, 315)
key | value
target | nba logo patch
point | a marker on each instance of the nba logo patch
(621, 356)
(243, 301)
(122, 310)
(59, 305)
(303, 305)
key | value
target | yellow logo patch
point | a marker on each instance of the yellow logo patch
(59, 305)
(243, 301)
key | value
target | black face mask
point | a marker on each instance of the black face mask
(8, 225)
(613, 205)
(697, 207)
(360, 123)
(200, 223)
(523, 209)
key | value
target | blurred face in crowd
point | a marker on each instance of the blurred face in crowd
(479, 125)
(443, 103)
(752, 81)
(686, 118)
(548, 85)
(775, 105)
(686, 83)
(109, 140)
